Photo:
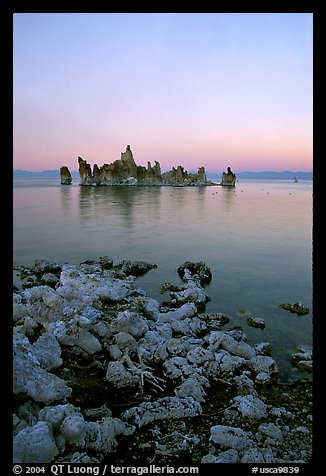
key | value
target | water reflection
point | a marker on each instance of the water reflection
(117, 202)
(228, 197)
(66, 195)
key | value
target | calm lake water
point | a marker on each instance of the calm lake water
(256, 238)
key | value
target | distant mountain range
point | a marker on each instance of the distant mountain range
(286, 175)
(45, 173)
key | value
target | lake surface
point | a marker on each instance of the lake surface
(256, 238)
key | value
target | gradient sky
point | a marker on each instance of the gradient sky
(213, 89)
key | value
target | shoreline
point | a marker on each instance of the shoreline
(104, 372)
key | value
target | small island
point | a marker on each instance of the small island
(125, 171)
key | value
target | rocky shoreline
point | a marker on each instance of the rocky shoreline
(104, 373)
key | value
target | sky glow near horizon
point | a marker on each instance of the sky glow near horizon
(212, 90)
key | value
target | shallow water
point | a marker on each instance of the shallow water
(256, 238)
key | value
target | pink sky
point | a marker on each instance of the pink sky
(189, 89)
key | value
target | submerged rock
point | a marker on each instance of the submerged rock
(256, 322)
(296, 308)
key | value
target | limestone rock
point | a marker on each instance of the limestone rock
(231, 437)
(65, 175)
(250, 407)
(165, 408)
(256, 322)
(31, 379)
(35, 444)
(296, 308)
(228, 178)
(125, 171)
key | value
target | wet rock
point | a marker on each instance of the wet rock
(256, 322)
(296, 308)
(45, 266)
(303, 358)
(135, 268)
(224, 340)
(263, 348)
(197, 270)
(35, 444)
(190, 292)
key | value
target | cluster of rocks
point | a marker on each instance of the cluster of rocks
(97, 361)
(125, 171)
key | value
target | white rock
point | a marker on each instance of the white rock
(162, 409)
(263, 363)
(35, 444)
(29, 377)
(121, 377)
(250, 407)
(73, 429)
(48, 351)
(230, 437)
(128, 321)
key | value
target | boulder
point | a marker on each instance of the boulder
(231, 437)
(35, 444)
